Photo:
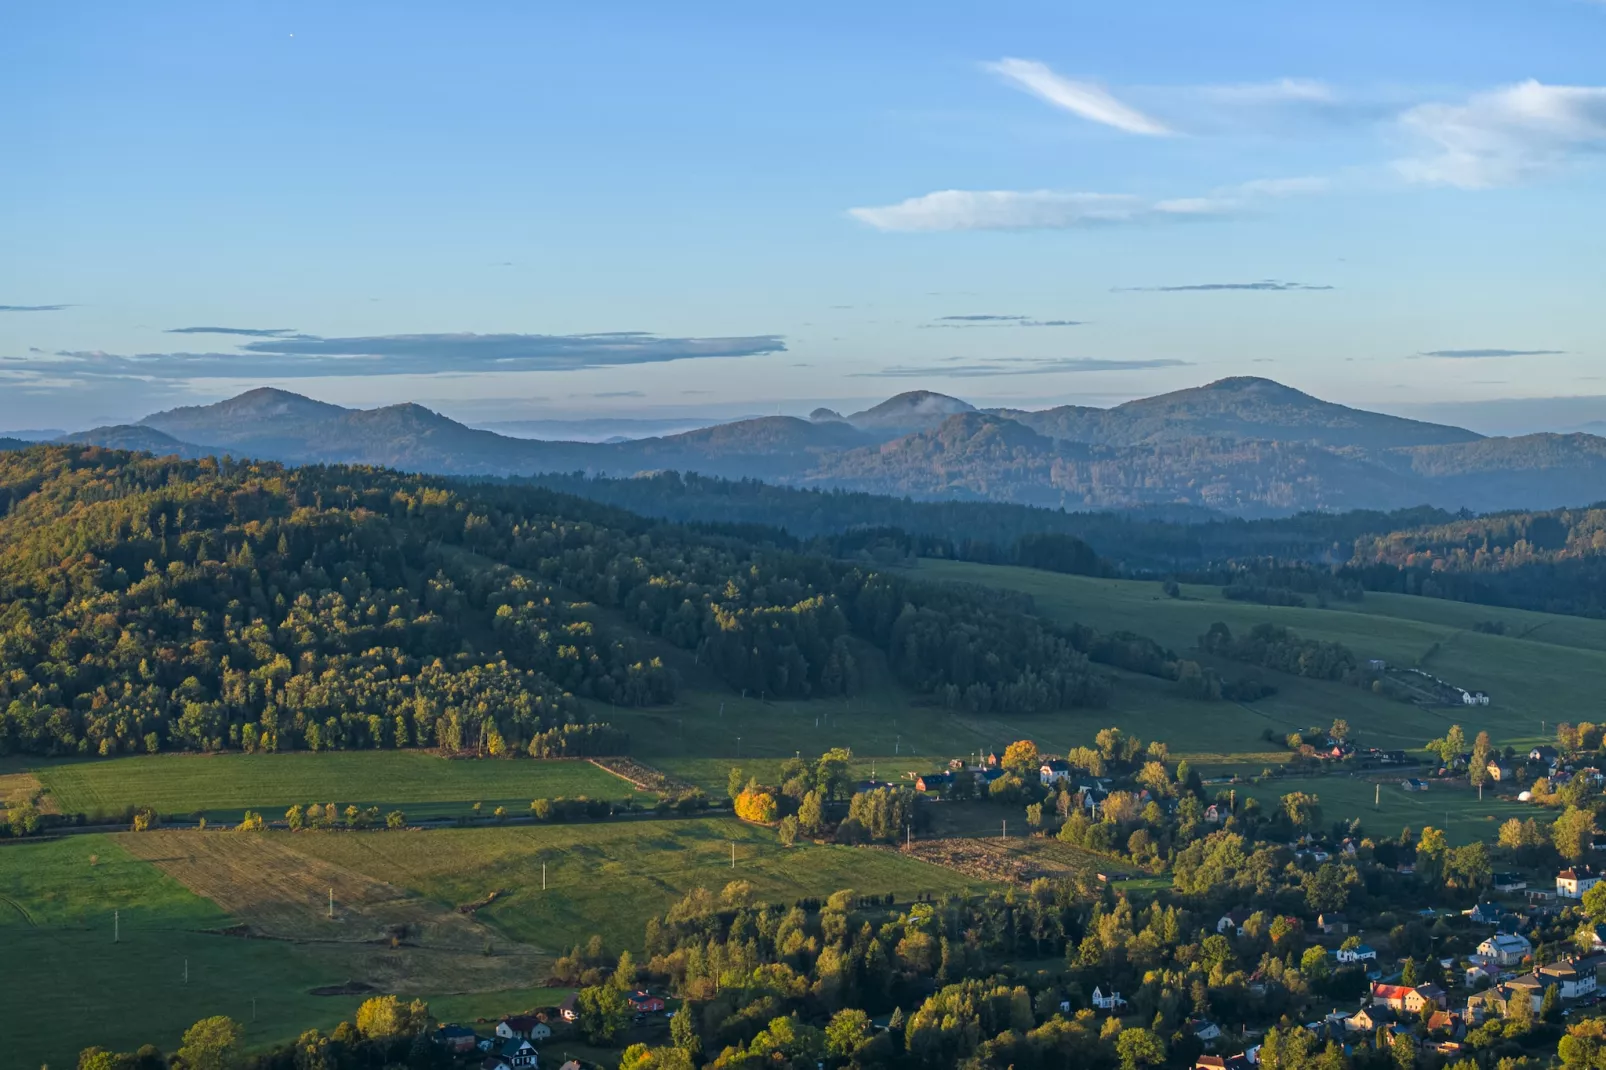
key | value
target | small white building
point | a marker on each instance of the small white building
(1360, 953)
(1055, 771)
(1505, 949)
(1107, 1001)
(1574, 881)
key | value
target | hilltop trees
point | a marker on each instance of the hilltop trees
(209, 605)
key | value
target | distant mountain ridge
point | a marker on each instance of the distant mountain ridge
(1246, 446)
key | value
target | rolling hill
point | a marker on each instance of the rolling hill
(1244, 446)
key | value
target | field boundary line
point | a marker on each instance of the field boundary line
(20, 909)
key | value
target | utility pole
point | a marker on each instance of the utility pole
(733, 854)
(1377, 796)
(897, 747)
(117, 926)
(186, 971)
(909, 833)
(543, 876)
(1006, 830)
(738, 746)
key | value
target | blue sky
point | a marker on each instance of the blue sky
(516, 210)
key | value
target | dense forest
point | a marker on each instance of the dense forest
(210, 604)
(1552, 561)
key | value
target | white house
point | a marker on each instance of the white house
(527, 1026)
(1055, 771)
(1233, 922)
(1107, 1002)
(1574, 881)
(1204, 1030)
(1505, 949)
(517, 1054)
(1474, 698)
(1576, 977)
(1360, 953)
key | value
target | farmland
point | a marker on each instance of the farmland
(609, 878)
(183, 897)
(57, 901)
(224, 785)
(1454, 808)
(1550, 669)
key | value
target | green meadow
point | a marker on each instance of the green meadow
(223, 785)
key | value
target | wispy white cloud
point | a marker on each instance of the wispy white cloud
(1505, 136)
(956, 209)
(1282, 91)
(1087, 99)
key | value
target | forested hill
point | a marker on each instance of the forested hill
(150, 604)
(1244, 446)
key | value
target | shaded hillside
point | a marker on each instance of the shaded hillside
(987, 456)
(1243, 407)
(137, 437)
(1245, 446)
(239, 605)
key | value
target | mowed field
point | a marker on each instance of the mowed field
(208, 898)
(224, 785)
(1550, 669)
(1454, 808)
(57, 905)
(609, 878)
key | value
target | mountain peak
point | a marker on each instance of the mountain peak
(913, 410)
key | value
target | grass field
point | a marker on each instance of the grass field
(1553, 669)
(224, 785)
(1455, 809)
(57, 900)
(610, 878)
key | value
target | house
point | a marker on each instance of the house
(1500, 771)
(1531, 984)
(644, 1002)
(1597, 937)
(527, 1026)
(1426, 995)
(1233, 922)
(1393, 757)
(1399, 998)
(1509, 882)
(1481, 972)
(1548, 755)
(1359, 953)
(517, 1054)
(1414, 784)
(934, 782)
(1204, 1030)
(1486, 914)
(1505, 949)
(1055, 770)
(1577, 977)
(456, 1038)
(992, 759)
(1474, 698)
(1574, 881)
(1214, 814)
(1110, 1001)
(1448, 1022)
(1369, 1019)
(1332, 923)
(570, 1007)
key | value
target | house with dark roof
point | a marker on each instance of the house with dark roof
(1574, 881)
(1055, 770)
(527, 1026)
(456, 1038)
(1509, 882)
(516, 1054)
(644, 1002)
